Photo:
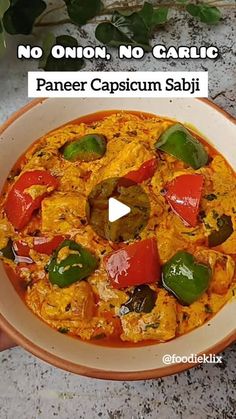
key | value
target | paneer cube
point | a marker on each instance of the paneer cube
(160, 324)
(190, 317)
(62, 212)
(130, 157)
(74, 303)
(223, 268)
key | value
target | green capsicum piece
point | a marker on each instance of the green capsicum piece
(185, 277)
(7, 252)
(87, 148)
(180, 143)
(71, 262)
(225, 229)
(142, 300)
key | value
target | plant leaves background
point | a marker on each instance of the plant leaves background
(127, 27)
(49, 63)
(19, 18)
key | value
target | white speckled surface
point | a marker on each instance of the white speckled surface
(31, 389)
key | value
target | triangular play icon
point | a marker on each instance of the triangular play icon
(116, 209)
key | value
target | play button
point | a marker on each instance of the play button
(118, 209)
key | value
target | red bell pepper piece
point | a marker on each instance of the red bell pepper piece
(134, 264)
(146, 171)
(45, 245)
(21, 248)
(183, 194)
(20, 204)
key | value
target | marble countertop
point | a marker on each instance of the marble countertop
(32, 389)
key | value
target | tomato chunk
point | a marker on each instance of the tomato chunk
(183, 194)
(45, 245)
(22, 202)
(146, 171)
(134, 264)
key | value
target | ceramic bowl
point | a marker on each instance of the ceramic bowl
(27, 330)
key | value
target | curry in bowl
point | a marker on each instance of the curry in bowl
(169, 278)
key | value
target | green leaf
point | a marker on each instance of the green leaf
(50, 63)
(153, 17)
(159, 16)
(146, 13)
(193, 9)
(21, 15)
(2, 40)
(131, 28)
(48, 41)
(108, 34)
(210, 14)
(128, 30)
(204, 12)
(81, 11)
(4, 5)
